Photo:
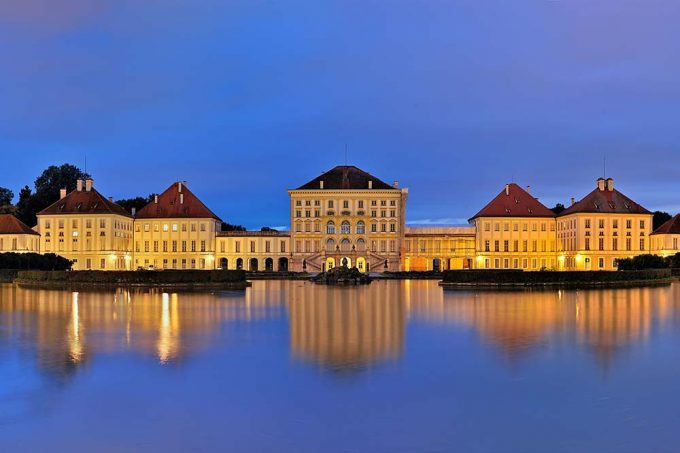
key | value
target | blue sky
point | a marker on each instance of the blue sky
(245, 99)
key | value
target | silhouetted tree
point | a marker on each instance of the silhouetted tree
(659, 219)
(137, 202)
(6, 197)
(230, 227)
(559, 207)
(47, 187)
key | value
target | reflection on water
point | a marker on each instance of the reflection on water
(338, 328)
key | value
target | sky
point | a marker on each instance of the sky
(246, 99)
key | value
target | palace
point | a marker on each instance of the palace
(345, 216)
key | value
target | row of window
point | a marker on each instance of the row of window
(601, 223)
(345, 227)
(543, 226)
(544, 246)
(173, 246)
(317, 213)
(344, 245)
(75, 224)
(174, 227)
(253, 249)
(345, 203)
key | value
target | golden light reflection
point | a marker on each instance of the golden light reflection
(338, 328)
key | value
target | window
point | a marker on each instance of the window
(587, 246)
(361, 227)
(252, 246)
(601, 223)
(496, 246)
(642, 225)
(165, 227)
(361, 205)
(487, 246)
(345, 227)
(330, 227)
(642, 244)
(506, 246)
(374, 228)
(330, 204)
(383, 228)
(345, 204)
(601, 244)
(393, 228)
(174, 227)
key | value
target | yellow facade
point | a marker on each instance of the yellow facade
(177, 243)
(253, 250)
(346, 216)
(591, 241)
(438, 248)
(665, 244)
(16, 237)
(600, 229)
(515, 243)
(86, 228)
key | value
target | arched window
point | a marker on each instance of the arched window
(330, 245)
(361, 227)
(361, 245)
(345, 245)
(330, 227)
(344, 227)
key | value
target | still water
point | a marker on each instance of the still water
(396, 366)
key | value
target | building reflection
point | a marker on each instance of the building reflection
(346, 328)
(336, 328)
(605, 321)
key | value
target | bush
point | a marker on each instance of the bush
(493, 276)
(137, 277)
(642, 262)
(48, 261)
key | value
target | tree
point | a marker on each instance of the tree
(559, 207)
(267, 229)
(47, 187)
(230, 227)
(6, 197)
(659, 219)
(137, 202)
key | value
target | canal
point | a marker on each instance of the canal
(398, 366)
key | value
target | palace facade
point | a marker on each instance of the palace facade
(345, 216)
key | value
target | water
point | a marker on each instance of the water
(396, 366)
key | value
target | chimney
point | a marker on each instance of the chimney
(370, 184)
(62, 193)
(79, 185)
(529, 190)
(507, 189)
(181, 198)
(155, 199)
(600, 184)
(111, 199)
(610, 184)
(89, 182)
(395, 184)
(321, 184)
(134, 211)
(179, 185)
(572, 201)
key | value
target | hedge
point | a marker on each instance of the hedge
(136, 277)
(494, 276)
(47, 261)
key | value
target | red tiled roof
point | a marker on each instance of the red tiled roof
(176, 202)
(607, 202)
(11, 225)
(345, 177)
(514, 202)
(671, 226)
(84, 202)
